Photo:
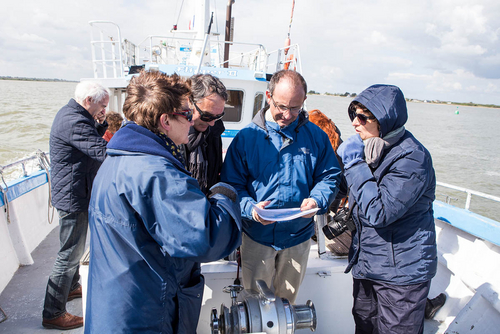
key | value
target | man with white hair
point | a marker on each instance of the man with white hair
(77, 150)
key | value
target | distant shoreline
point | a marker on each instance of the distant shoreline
(469, 104)
(465, 104)
(34, 79)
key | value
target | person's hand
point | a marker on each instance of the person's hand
(100, 116)
(308, 204)
(351, 151)
(256, 217)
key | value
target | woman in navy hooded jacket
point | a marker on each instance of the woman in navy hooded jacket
(392, 185)
(150, 224)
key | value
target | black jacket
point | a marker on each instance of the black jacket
(76, 153)
(211, 146)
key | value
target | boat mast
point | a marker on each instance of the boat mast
(228, 33)
(200, 25)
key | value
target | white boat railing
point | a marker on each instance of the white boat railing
(40, 160)
(106, 45)
(469, 193)
(112, 56)
(162, 49)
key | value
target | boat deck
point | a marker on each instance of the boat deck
(22, 299)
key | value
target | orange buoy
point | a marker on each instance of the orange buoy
(289, 60)
(287, 45)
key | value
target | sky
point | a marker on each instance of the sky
(446, 50)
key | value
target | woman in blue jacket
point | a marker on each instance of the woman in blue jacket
(150, 224)
(392, 186)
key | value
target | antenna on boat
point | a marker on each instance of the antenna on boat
(287, 40)
(178, 16)
(207, 36)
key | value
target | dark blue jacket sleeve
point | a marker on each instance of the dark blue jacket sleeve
(86, 139)
(188, 225)
(384, 202)
(235, 172)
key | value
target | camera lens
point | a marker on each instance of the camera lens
(333, 230)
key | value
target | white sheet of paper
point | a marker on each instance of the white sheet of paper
(276, 215)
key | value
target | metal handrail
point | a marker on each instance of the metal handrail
(117, 63)
(43, 164)
(149, 48)
(469, 193)
(19, 162)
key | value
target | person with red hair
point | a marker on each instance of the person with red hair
(333, 132)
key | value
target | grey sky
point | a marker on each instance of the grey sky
(440, 49)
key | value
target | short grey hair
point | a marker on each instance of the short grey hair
(203, 85)
(94, 90)
(295, 77)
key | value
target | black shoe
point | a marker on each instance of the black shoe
(433, 305)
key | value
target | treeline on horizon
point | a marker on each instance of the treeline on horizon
(468, 104)
(311, 92)
(33, 79)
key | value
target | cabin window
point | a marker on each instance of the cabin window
(257, 103)
(234, 106)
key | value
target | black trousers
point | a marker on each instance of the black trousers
(381, 308)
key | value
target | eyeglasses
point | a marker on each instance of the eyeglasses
(292, 110)
(206, 116)
(186, 113)
(361, 117)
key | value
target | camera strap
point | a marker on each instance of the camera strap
(348, 202)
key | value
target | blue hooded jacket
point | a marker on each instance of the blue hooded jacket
(151, 226)
(395, 240)
(283, 165)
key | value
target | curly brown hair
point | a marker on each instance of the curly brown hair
(114, 120)
(152, 94)
(327, 125)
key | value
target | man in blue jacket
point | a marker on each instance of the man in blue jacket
(280, 160)
(77, 149)
(392, 184)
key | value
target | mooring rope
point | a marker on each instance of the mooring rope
(44, 164)
(5, 199)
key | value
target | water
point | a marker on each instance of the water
(27, 109)
(464, 147)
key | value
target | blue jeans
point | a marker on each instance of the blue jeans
(65, 273)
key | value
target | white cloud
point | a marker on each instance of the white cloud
(377, 38)
(439, 49)
(461, 50)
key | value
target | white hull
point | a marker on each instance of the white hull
(22, 230)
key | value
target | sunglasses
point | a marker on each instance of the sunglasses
(361, 117)
(206, 116)
(187, 113)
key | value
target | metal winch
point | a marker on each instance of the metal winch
(261, 312)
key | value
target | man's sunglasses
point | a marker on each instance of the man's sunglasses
(361, 117)
(206, 116)
(187, 113)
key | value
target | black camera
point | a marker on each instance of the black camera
(341, 222)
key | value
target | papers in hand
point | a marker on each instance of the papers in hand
(276, 215)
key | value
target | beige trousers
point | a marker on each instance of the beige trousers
(283, 270)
